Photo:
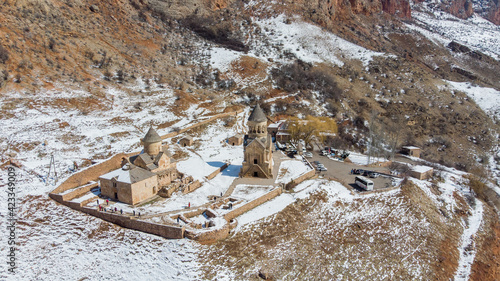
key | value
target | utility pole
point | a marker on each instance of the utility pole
(52, 170)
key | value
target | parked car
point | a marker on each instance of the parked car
(308, 154)
(324, 152)
(321, 165)
(315, 162)
(358, 171)
(374, 175)
(366, 173)
(322, 169)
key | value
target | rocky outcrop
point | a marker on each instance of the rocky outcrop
(459, 8)
(400, 8)
(319, 10)
(493, 14)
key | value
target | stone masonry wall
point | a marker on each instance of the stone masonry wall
(92, 173)
(252, 204)
(166, 231)
(192, 187)
(300, 179)
(79, 191)
(206, 237)
(218, 171)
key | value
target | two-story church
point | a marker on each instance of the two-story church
(257, 145)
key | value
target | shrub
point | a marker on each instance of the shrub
(215, 31)
(478, 186)
(303, 76)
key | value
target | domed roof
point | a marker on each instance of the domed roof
(151, 136)
(257, 115)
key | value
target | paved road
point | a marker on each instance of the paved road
(342, 171)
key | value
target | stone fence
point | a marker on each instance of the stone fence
(252, 204)
(192, 187)
(218, 171)
(87, 175)
(166, 231)
(300, 179)
(211, 236)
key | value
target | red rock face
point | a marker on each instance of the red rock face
(400, 8)
(460, 8)
(494, 14)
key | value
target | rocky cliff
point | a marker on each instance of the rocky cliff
(400, 8)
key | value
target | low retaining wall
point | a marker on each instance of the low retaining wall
(252, 204)
(210, 236)
(89, 174)
(300, 179)
(79, 191)
(197, 184)
(218, 171)
(192, 187)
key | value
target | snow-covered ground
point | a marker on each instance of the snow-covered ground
(310, 43)
(290, 170)
(487, 99)
(58, 243)
(467, 248)
(475, 32)
(303, 40)
(361, 159)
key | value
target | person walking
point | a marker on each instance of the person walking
(121, 211)
(107, 202)
(134, 213)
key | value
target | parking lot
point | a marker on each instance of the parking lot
(342, 172)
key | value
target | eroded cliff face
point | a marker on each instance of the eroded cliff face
(400, 8)
(347, 9)
(493, 14)
(460, 8)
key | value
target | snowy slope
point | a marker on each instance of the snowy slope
(475, 32)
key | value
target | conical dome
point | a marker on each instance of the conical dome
(257, 115)
(151, 136)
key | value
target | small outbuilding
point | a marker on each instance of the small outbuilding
(411, 151)
(421, 172)
(235, 140)
(186, 141)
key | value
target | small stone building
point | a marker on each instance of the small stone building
(257, 147)
(411, 151)
(186, 141)
(141, 176)
(129, 184)
(421, 172)
(235, 140)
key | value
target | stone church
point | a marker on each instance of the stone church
(142, 175)
(257, 146)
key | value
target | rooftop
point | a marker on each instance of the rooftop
(151, 136)
(257, 115)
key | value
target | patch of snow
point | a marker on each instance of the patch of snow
(361, 159)
(310, 43)
(468, 246)
(290, 170)
(488, 99)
